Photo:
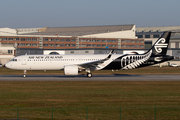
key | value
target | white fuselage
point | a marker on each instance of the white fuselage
(56, 62)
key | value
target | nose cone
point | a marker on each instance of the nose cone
(7, 65)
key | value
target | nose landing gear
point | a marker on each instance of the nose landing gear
(24, 75)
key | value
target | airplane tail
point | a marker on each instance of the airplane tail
(161, 45)
(155, 55)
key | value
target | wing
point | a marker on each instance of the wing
(94, 64)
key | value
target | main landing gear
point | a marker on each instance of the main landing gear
(24, 75)
(89, 75)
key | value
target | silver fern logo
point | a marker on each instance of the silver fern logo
(134, 61)
(160, 44)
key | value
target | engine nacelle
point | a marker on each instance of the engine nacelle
(71, 70)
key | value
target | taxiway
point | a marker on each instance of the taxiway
(115, 77)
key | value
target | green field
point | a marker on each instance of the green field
(71, 99)
(108, 100)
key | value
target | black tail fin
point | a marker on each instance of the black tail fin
(157, 54)
(161, 45)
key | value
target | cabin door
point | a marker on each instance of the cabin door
(24, 61)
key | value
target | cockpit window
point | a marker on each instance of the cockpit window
(14, 60)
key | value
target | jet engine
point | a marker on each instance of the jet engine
(71, 70)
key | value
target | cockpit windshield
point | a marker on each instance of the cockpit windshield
(13, 60)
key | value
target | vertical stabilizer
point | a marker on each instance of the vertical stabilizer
(161, 45)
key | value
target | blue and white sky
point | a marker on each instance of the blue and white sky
(69, 13)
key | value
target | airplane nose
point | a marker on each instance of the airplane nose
(5, 65)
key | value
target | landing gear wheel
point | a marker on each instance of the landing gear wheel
(24, 75)
(89, 75)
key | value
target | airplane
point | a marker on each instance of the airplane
(73, 64)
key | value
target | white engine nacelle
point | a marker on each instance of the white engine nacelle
(71, 70)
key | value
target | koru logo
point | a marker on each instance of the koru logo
(160, 44)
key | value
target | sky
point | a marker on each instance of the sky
(73, 13)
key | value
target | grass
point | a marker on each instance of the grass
(92, 100)
(101, 99)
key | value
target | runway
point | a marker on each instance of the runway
(115, 77)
